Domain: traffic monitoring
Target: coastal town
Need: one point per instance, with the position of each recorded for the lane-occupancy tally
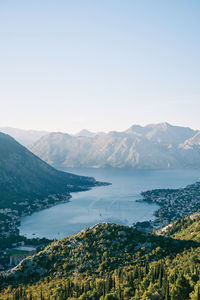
(11, 242)
(10, 217)
(173, 204)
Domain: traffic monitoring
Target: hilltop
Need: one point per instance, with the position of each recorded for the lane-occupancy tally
(109, 261)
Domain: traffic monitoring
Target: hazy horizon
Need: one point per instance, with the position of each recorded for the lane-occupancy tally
(100, 66)
(106, 131)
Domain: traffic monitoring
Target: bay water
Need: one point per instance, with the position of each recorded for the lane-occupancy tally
(113, 203)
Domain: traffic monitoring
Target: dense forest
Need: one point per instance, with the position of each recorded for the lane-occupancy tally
(109, 261)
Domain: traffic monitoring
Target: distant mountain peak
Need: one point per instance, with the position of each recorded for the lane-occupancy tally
(141, 129)
(87, 133)
(135, 128)
(59, 133)
(163, 125)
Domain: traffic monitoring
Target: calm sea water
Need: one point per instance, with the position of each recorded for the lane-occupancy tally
(114, 203)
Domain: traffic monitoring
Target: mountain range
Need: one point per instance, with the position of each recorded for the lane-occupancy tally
(28, 137)
(155, 146)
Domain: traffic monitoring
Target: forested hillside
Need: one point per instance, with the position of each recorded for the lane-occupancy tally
(109, 261)
(25, 177)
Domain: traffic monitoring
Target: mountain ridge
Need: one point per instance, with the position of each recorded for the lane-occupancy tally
(154, 146)
(25, 176)
(24, 137)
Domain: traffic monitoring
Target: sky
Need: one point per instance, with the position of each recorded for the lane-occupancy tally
(101, 65)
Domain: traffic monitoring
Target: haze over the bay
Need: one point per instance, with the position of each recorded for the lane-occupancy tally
(100, 65)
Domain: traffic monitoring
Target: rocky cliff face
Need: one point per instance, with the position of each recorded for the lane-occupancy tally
(157, 146)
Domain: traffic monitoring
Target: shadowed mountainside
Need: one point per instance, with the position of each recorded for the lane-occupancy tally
(25, 176)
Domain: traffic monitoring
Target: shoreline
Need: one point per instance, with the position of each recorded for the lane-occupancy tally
(173, 204)
(40, 204)
(10, 220)
(170, 207)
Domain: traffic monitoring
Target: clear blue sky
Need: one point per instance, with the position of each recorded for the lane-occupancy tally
(101, 65)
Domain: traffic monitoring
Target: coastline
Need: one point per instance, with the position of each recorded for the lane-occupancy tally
(24, 208)
(10, 220)
(60, 199)
(173, 204)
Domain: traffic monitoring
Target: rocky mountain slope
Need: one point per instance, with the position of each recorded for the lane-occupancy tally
(24, 176)
(99, 248)
(157, 146)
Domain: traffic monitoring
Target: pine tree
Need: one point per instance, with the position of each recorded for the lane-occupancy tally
(198, 293)
(167, 297)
